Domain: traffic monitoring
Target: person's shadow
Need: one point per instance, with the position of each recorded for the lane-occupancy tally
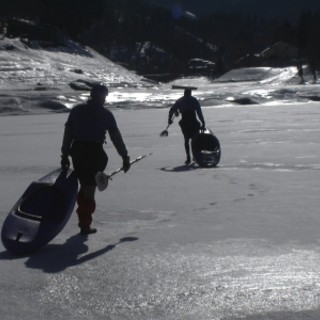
(182, 168)
(54, 258)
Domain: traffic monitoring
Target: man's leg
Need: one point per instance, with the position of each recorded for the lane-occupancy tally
(187, 148)
(86, 207)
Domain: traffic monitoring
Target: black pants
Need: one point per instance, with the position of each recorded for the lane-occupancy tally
(88, 158)
(189, 127)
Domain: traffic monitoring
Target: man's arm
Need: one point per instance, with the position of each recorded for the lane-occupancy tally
(200, 115)
(117, 141)
(173, 112)
(66, 141)
(65, 148)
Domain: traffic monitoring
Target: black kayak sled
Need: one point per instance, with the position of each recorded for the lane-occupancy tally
(41, 212)
(206, 148)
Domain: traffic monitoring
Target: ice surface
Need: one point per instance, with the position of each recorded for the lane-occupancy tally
(240, 241)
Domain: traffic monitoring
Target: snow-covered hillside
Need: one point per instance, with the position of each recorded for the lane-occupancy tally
(53, 78)
(38, 80)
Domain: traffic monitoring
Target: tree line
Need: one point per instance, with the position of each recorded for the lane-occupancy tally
(222, 38)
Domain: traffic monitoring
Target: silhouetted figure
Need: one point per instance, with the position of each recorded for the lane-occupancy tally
(300, 72)
(189, 108)
(84, 135)
(313, 70)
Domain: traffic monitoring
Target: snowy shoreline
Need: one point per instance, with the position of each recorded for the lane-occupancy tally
(36, 81)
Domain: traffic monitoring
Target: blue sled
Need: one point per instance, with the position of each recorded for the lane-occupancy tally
(41, 213)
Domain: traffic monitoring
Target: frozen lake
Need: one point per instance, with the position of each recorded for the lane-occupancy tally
(240, 241)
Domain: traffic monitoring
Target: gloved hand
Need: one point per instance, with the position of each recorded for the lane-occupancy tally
(203, 127)
(170, 122)
(126, 163)
(65, 163)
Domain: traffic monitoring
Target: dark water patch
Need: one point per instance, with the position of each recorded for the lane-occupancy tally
(52, 105)
(313, 98)
(244, 101)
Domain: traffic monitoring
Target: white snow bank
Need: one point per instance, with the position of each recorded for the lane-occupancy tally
(263, 74)
(35, 80)
(22, 65)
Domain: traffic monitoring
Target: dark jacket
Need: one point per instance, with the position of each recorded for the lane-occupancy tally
(189, 107)
(89, 122)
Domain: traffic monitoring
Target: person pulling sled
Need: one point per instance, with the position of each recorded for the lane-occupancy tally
(189, 108)
(84, 135)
